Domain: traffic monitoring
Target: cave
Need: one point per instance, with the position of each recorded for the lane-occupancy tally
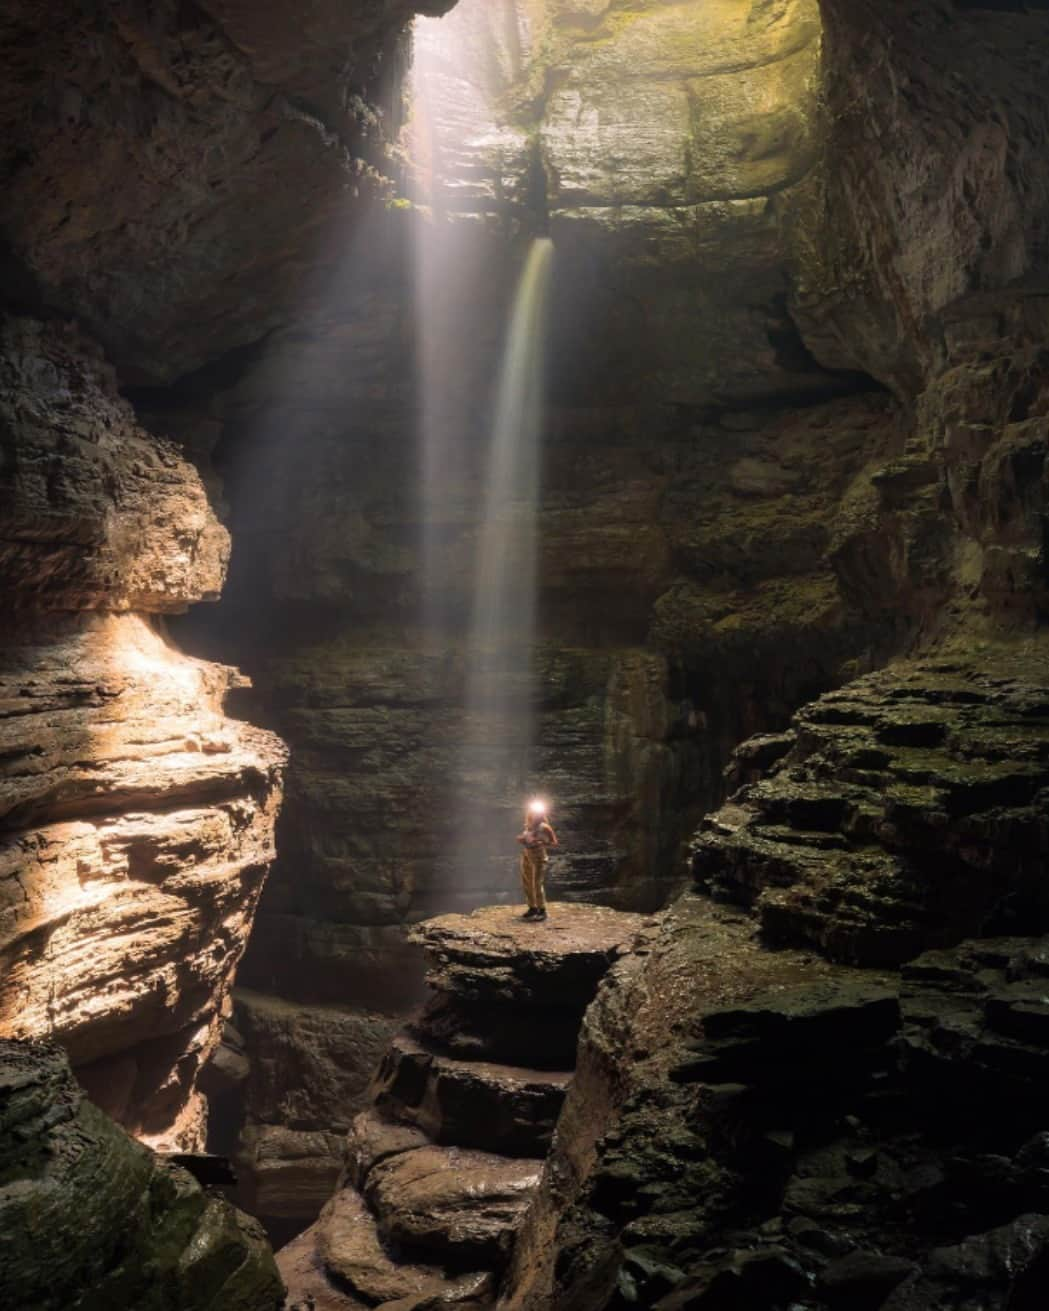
(632, 414)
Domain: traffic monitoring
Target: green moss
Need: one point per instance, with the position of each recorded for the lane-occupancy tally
(712, 621)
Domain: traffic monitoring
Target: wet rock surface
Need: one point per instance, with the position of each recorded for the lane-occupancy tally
(790, 1131)
(90, 1218)
(462, 1206)
(307, 1071)
(351, 1249)
(440, 1172)
(470, 1102)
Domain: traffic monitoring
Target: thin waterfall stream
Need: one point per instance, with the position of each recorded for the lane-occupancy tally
(498, 738)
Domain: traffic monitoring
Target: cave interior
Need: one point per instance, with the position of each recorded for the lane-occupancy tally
(412, 407)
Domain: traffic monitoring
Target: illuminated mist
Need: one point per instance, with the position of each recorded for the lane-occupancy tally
(480, 435)
(500, 700)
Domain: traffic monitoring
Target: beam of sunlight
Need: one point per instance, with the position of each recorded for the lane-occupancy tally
(479, 443)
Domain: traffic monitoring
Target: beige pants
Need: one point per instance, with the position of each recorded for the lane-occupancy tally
(533, 872)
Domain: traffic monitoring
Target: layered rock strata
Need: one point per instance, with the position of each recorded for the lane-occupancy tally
(690, 513)
(689, 599)
(440, 1170)
(827, 1094)
(91, 1219)
(906, 811)
(919, 256)
(793, 1132)
(136, 819)
(662, 145)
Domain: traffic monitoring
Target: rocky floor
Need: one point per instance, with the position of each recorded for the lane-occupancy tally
(441, 1169)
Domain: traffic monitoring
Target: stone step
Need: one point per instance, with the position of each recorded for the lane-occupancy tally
(309, 1286)
(373, 1138)
(451, 1205)
(482, 1104)
(539, 1037)
(901, 813)
(342, 1264)
(350, 1248)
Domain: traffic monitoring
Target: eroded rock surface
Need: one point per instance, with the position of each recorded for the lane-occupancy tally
(661, 141)
(908, 811)
(946, 197)
(89, 1218)
(138, 828)
(490, 955)
(690, 512)
(308, 1073)
(440, 1172)
(96, 513)
(791, 1131)
(248, 136)
(462, 1206)
(136, 818)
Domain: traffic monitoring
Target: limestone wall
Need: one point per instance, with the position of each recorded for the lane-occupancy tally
(137, 820)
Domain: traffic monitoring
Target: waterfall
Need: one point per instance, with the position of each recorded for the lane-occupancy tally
(504, 588)
(497, 742)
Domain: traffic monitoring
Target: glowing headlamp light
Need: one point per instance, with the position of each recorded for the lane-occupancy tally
(537, 807)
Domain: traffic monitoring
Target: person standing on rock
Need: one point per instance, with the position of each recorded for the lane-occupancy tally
(536, 839)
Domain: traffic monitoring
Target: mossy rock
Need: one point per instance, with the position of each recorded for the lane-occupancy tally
(91, 1220)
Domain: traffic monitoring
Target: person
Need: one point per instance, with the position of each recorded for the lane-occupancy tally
(536, 838)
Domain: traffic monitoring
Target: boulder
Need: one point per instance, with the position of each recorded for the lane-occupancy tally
(287, 1174)
(310, 1066)
(86, 1211)
(455, 1205)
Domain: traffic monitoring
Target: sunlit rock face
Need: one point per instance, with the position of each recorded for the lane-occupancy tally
(137, 819)
(672, 136)
(91, 1218)
(662, 145)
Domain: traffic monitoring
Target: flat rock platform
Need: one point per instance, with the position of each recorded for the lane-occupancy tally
(493, 955)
